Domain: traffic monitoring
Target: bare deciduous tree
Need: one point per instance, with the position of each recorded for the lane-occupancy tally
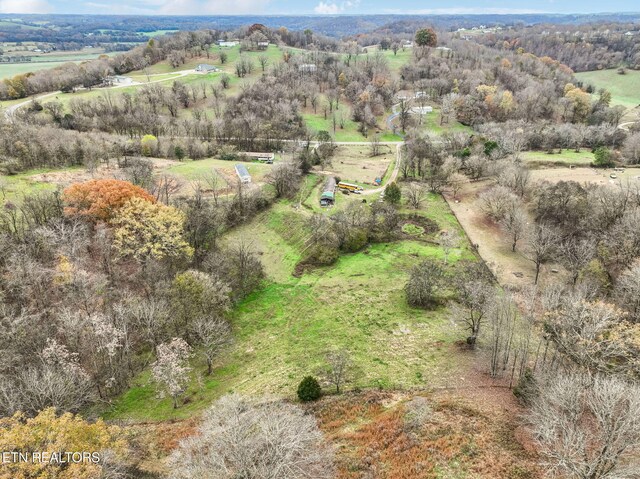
(284, 177)
(212, 335)
(240, 437)
(502, 315)
(575, 255)
(414, 193)
(171, 368)
(474, 294)
(588, 427)
(628, 290)
(339, 368)
(497, 201)
(541, 247)
(449, 239)
(515, 223)
(456, 183)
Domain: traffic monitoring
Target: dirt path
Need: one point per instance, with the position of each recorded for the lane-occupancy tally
(509, 268)
(394, 173)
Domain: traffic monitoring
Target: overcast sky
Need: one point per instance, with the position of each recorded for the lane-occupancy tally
(291, 7)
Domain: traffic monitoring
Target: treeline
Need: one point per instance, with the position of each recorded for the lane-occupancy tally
(87, 301)
(88, 74)
(582, 47)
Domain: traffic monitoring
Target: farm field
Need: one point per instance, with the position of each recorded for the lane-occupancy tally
(283, 331)
(354, 164)
(189, 172)
(625, 89)
(14, 187)
(43, 62)
(587, 175)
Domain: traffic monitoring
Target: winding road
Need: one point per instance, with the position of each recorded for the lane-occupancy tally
(9, 111)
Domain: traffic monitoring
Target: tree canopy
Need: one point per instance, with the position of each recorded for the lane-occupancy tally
(100, 200)
(426, 37)
(146, 230)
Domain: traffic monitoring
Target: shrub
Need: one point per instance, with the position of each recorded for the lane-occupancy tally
(355, 240)
(178, 151)
(603, 157)
(489, 146)
(323, 255)
(309, 389)
(526, 388)
(392, 194)
(148, 144)
(425, 281)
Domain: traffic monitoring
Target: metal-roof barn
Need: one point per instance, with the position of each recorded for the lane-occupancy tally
(242, 173)
(328, 196)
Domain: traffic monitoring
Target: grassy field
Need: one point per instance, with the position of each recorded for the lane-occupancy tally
(198, 170)
(44, 62)
(14, 187)
(566, 157)
(317, 122)
(625, 89)
(283, 331)
(431, 123)
(354, 164)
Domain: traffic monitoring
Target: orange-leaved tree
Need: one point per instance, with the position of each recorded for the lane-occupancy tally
(99, 200)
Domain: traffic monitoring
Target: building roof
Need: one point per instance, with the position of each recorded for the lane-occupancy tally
(241, 171)
(328, 195)
(205, 66)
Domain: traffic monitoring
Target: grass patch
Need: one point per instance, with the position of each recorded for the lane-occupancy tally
(625, 89)
(562, 158)
(15, 187)
(413, 230)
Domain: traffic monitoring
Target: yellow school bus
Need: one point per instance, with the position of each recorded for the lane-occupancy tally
(349, 186)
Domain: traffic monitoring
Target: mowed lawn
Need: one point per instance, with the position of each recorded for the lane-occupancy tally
(283, 331)
(625, 89)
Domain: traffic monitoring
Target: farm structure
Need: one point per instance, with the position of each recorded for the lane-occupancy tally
(328, 196)
(205, 68)
(243, 174)
(307, 68)
(262, 157)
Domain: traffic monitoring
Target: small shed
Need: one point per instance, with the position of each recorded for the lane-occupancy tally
(205, 68)
(307, 68)
(262, 157)
(242, 173)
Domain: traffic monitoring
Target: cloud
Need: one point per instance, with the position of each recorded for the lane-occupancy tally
(24, 6)
(326, 8)
(333, 8)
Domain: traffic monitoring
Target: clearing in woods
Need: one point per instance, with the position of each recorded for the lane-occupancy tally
(283, 331)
